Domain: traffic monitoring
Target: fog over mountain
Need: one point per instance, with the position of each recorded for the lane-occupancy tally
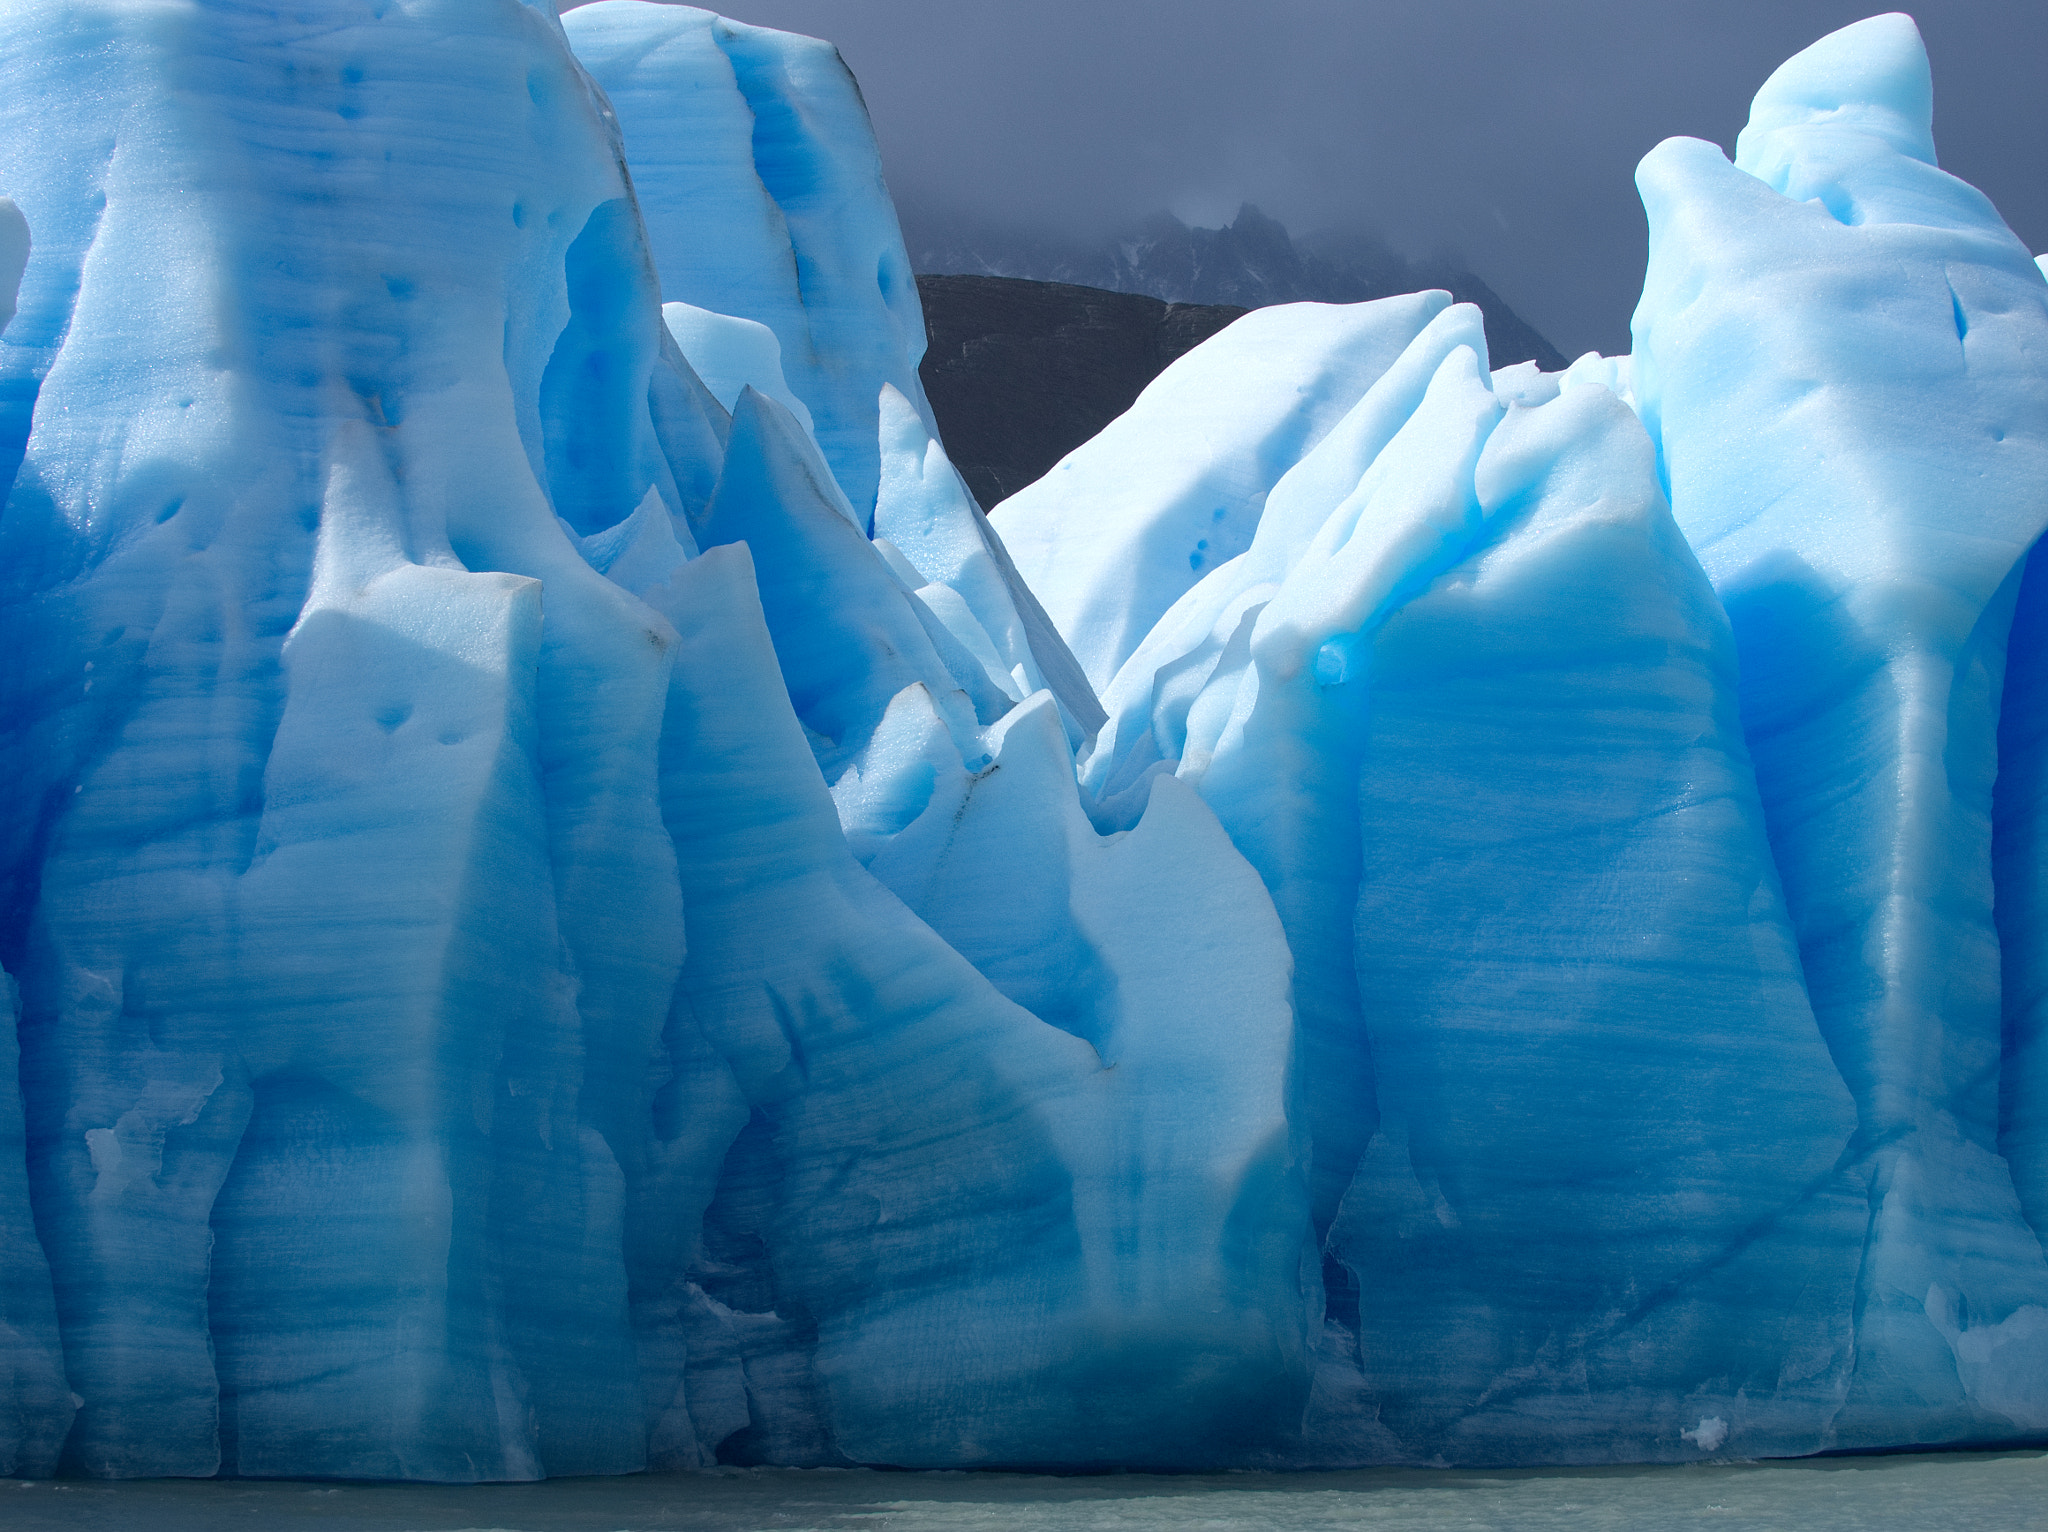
(1249, 262)
(1509, 133)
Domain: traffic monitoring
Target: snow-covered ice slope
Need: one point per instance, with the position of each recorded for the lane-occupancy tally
(1843, 354)
(1173, 488)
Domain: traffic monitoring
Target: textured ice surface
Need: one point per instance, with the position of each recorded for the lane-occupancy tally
(1605, 713)
(984, 1229)
(1491, 617)
(728, 354)
(2019, 852)
(1480, 738)
(1871, 587)
(34, 1404)
(758, 176)
(1174, 487)
(342, 913)
(959, 567)
(573, 912)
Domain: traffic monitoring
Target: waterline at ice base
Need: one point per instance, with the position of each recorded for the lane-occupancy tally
(572, 905)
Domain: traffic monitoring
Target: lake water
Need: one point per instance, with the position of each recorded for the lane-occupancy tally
(1940, 1492)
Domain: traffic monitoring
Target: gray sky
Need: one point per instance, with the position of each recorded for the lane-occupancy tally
(1506, 129)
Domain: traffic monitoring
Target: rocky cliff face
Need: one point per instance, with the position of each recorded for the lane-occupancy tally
(1020, 373)
(1251, 262)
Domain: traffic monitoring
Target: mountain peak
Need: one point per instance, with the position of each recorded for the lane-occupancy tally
(1251, 262)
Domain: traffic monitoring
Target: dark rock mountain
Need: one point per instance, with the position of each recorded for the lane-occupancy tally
(1019, 373)
(1249, 263)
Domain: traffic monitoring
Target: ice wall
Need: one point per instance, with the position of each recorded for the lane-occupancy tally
(337, 892)
(1584, 996)
(1468, 705)
(1808, 309)
(2019, 864)
(35, 1404)
(378, 720)
(573, 911)
(948, 1230)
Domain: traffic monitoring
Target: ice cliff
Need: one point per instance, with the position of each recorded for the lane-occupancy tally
(570, 904)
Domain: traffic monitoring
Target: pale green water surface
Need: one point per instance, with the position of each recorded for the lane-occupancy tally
(1944, 1492)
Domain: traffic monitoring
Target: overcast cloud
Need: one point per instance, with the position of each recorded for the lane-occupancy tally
(1507, 130)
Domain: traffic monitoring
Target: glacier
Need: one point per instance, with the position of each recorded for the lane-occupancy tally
(573, 905)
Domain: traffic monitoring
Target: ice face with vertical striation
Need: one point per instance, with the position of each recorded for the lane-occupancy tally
(1468, 705)
(35, 1406)
(573, 911)
(378, 717)
(1587, 1003)
(1173, 1257)
(758, 176)
(337, 890)
(1809, 310)
(1870, 593)
(2019, 867)
(962, 1231)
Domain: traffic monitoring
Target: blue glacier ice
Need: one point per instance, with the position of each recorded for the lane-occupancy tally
(1871, 587)
(1479, 735)
(943, 1225)
(1127, 522)
(762, 136)
(573, 905)
(36, 1410)
(344, 922)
